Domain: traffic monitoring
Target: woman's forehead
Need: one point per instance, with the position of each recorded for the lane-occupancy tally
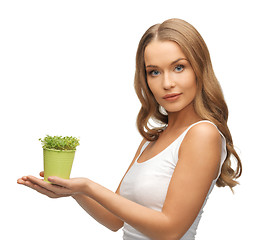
(162, 52)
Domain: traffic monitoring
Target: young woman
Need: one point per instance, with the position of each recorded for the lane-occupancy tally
(176, 166)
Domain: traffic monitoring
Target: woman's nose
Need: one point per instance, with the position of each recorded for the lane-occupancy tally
(167, 81)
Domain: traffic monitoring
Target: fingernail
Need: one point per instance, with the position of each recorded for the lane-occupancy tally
(50, 179)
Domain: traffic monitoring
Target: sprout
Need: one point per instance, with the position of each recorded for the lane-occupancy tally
(60, 143)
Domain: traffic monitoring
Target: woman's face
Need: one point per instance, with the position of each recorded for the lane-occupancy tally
(170, 76)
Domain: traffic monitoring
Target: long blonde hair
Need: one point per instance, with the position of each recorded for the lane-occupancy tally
(209, 102)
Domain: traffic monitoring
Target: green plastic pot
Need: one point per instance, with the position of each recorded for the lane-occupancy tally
(58, 163)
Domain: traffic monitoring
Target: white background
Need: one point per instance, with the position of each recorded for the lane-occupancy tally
(67, 68)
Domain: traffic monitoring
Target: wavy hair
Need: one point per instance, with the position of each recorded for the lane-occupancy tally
(209, 102)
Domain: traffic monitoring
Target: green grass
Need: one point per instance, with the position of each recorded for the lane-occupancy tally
(59, 142)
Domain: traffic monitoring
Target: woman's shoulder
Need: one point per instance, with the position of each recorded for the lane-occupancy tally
(204, 129)
(203, 134)
(201, 148)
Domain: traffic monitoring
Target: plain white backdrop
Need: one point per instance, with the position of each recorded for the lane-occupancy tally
(67, 68)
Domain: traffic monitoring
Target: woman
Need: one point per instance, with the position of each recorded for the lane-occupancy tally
(160, 197)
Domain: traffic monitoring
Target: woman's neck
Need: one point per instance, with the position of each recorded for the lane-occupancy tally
(183, 118)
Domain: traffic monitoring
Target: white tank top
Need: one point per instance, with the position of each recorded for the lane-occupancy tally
(147, 183)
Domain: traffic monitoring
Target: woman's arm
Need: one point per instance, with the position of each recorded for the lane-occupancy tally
(199, 158)
(97, 211)
(93, 208)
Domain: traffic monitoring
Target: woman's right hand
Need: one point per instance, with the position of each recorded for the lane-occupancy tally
(39, 185)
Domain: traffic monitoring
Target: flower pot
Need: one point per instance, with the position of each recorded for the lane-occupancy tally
(58, 163)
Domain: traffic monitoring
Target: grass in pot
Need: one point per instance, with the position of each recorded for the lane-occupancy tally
(58, 154)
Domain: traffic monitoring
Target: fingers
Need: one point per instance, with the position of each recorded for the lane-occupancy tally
(21, 180)
(26, 182)
(58, 186)
(45, 188)
(35, 180)
(24, 178)
(59, 181)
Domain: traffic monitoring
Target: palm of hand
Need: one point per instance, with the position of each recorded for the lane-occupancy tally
(59, 187)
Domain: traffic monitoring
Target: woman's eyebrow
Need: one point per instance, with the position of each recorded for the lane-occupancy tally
(178, 60)
(155, 66)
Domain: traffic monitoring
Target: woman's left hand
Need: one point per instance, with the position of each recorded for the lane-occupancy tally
(59, 187)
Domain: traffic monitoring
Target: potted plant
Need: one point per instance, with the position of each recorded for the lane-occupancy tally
(58, 155)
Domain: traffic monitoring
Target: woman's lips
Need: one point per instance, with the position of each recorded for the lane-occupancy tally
(172, 96)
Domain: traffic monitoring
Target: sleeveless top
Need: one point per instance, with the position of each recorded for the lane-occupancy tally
(147, 183)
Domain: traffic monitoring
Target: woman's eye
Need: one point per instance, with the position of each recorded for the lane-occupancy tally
(154, 73)
(179, 68)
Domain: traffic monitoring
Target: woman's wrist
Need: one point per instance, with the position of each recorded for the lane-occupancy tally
(77, 196)
(86, 188)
